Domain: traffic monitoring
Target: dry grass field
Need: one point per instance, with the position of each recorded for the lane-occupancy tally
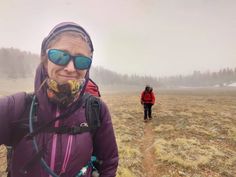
(192, 133)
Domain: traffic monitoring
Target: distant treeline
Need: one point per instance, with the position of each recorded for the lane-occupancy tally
(20, 64)
(108, 77)
(223, 77)
(16, 63)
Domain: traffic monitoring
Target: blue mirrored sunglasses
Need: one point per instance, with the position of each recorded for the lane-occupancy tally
(62, 58)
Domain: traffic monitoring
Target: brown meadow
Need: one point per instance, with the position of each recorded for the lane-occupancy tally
(192, 133)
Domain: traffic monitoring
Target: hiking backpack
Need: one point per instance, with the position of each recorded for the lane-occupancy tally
(92, 114)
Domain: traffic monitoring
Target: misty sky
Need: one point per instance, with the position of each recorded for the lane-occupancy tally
(145, 37)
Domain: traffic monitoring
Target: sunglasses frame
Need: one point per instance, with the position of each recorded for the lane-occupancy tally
(71, 57)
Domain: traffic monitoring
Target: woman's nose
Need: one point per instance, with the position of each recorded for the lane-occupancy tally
(70, 66)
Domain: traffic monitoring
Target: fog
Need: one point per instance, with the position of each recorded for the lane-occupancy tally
(152, 37)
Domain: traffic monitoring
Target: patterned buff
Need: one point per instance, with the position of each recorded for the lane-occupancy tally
(64, 94)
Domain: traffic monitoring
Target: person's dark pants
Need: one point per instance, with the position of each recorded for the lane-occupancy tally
(147, 110)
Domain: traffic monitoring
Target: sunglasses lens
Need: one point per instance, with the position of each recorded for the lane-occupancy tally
(82, 62)
(58, 57)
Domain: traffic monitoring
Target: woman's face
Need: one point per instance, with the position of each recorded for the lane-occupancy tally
(74, 46)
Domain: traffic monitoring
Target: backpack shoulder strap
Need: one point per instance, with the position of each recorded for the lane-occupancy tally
(93, 112)
(20, 125)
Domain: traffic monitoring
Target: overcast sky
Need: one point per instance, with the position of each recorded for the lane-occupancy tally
(145, 37)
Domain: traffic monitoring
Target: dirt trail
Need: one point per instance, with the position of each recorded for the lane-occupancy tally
(147, 149)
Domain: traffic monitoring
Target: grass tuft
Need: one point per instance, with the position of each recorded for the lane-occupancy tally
(185, 152)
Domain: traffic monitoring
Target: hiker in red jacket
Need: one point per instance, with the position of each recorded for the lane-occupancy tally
(147, 100)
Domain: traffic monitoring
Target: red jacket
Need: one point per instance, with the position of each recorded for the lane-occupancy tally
(147, 97)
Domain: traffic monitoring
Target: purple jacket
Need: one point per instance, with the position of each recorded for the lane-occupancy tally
(65, 154)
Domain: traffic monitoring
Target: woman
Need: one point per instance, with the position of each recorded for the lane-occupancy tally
(59, 102)
(147, 100)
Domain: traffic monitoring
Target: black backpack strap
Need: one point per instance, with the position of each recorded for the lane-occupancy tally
(70, 111)
(20, 125)
(93, 112)
(23, 120)
(69, 130)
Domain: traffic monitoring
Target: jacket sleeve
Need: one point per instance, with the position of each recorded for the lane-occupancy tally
(10, 108)
(153, 98)
(142, 98)
(105, 147)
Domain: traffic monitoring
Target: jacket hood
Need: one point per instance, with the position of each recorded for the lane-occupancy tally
(64, 27)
